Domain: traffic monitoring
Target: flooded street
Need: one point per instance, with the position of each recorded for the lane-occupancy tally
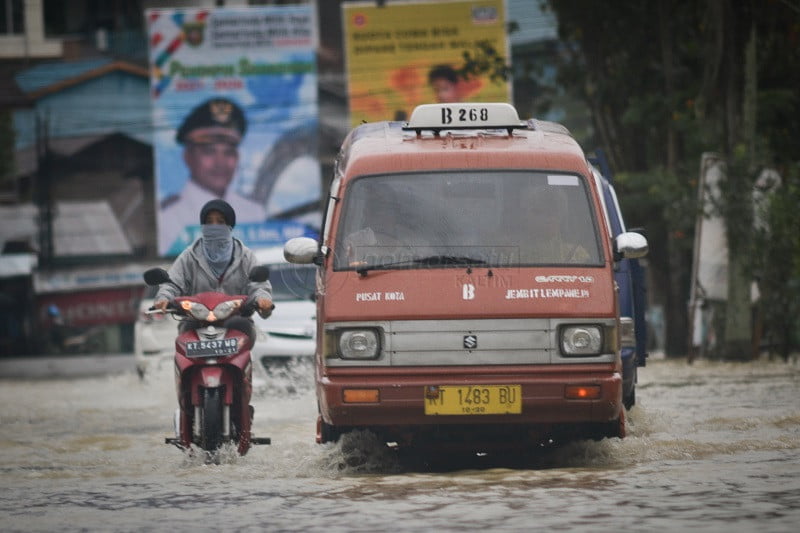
(711, 447)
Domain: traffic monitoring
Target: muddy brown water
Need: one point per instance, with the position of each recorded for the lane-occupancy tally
(712, 447)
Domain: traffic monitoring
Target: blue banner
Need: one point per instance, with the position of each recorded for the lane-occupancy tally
(235, 112)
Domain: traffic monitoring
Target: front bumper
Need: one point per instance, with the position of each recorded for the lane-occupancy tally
(402, 391)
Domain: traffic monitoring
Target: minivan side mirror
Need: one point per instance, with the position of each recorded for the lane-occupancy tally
(155, 276)
(630, 245)
(301, 250)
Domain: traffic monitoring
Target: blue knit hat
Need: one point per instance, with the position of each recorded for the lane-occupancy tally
(223, 207)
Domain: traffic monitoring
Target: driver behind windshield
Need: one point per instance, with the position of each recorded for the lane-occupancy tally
(543, 239)
(383, 237)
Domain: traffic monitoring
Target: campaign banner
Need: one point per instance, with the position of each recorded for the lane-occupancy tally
(400, 55)
(235, 116)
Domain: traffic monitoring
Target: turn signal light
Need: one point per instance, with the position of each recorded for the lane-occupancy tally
(361, 396)
(582, 392)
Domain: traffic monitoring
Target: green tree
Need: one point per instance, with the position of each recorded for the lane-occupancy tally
(666, 81)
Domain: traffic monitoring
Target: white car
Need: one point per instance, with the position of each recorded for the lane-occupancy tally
(153, 336)
(289, 335)
(285, 339)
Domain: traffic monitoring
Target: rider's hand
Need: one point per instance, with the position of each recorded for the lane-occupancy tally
(161, 304)
(265, 307)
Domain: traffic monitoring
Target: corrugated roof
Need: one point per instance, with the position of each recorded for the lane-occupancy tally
(52, 73)
(79, 228)
(18, 223)
(88, 228)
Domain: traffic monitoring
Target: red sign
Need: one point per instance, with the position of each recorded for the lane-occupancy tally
(89, 308)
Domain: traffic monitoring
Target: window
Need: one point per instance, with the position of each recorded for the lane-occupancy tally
(292, 282)
(450, 219)
(12, 17)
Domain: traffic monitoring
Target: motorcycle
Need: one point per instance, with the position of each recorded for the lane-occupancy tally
(213, 369)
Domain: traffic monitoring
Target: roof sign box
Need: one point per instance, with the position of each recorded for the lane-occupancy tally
(464, 116)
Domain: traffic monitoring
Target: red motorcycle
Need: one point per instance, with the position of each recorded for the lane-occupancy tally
(213, 370)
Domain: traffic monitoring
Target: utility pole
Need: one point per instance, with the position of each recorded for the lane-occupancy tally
(44, 197)
(738, 313)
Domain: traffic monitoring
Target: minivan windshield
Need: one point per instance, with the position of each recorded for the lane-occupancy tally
(446, 219)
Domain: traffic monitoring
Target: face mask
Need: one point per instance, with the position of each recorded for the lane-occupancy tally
(217, 246)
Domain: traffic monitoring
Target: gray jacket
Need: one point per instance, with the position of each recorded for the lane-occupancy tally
(191, 274)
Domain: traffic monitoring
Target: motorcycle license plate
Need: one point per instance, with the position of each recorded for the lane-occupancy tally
(216, 348)
(473, 400)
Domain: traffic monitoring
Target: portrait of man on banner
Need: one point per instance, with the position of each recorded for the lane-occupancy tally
(235, 117)
(210, 136)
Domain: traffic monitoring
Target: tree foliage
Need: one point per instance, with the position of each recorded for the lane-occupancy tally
(666, 81)
(484, 59)
(776, 263)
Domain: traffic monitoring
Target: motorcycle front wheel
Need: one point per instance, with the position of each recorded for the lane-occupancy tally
(211, 430)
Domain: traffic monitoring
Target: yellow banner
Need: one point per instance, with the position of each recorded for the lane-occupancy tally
(403, 55)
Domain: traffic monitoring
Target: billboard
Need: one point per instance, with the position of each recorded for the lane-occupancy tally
(235, 115)
(400, 55)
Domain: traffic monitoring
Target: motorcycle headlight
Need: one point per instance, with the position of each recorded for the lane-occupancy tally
(195, 310)
(224, 310)
(359, 344)
(581, 340)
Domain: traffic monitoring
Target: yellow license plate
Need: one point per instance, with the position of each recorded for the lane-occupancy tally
(473, 400)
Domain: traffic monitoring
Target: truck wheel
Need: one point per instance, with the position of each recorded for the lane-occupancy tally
(326, 432)
(630, 400)
(211, 424)
(621, 426)
(609, 430)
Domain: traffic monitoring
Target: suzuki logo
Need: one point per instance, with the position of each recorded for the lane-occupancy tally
(470, 342)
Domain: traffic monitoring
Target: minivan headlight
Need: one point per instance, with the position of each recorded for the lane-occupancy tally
(359, 344)
(581, 340)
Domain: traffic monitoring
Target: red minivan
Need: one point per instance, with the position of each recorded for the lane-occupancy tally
(465, 291)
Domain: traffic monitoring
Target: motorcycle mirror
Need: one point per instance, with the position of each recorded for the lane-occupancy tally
(259, 273)
(155, 276)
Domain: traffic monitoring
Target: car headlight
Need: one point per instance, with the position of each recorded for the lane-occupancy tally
(359, 344)
(581, 340)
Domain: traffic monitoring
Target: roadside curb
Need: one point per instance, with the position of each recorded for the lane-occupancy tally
(68, 366)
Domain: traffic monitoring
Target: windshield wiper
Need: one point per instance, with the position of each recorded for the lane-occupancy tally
(430, 260)
(449, 260)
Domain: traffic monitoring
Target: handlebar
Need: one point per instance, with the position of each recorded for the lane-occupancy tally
(153, 310)
(250, 306)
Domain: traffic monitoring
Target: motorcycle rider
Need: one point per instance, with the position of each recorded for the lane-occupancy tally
(218, 262)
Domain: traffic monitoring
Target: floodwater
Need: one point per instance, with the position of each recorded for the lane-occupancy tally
(711, 447)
